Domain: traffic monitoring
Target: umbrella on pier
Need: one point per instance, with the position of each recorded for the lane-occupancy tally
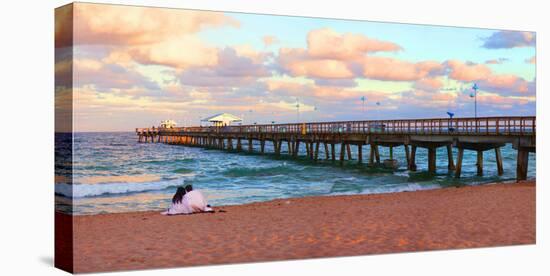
(222, 119)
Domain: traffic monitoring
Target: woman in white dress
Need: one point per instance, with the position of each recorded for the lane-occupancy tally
(180, 204)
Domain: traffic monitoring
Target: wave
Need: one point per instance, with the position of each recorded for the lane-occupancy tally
(169, 161)
(183, 171)
(410, 187)
(106, 179)
(263, 171)
(118, 144)
(92, 190)
(93, 168)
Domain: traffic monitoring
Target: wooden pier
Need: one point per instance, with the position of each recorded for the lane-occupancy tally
(476, 134)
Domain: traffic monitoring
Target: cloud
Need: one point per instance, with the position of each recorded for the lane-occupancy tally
(289, 106)
(106, 76)
(467, 72)
(329, 94)
(316, 68)
(64, 66)
(508, 85)
(179, 52)
(148, 36)
(231, 71)
(132, 25)
(330, 55)
(334, 94)
(63, 26)
(509, 39)
(188, 52)
(429, 84)
(129, 71)
(327, 44)
(427, 99)
(500, 101)
(336, 82)
(391, 69)
(287, 88)
(245, 50)
(496, 61)
(269, 40)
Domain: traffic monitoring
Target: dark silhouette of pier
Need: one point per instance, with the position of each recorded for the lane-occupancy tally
(474, 134)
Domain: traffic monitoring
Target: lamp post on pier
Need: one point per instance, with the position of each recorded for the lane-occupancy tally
(297, 110)
(363, 99)
(474, 95)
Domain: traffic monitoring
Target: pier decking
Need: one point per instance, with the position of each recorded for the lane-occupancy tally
(476, 134)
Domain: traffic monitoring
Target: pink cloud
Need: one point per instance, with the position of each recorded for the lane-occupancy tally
(500, 100)
(287, 88)
(335, 63)
(328, 44)
(232, 70)
(423, 98)
(391, 69)
(333, 55)
(505, 84)
(246, 50)
(320, 68)
(269, 40)
(149, 35)
(502, 80)
(131, 25)
(321, 93)
(63, 26)
(170, 53)
(508, 85)
(298, 63)
(106, 76)
(429, 84)
(467, 72)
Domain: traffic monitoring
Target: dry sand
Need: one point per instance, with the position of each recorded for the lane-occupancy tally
(488, 215)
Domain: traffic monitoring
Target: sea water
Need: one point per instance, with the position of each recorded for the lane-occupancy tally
(113, 173)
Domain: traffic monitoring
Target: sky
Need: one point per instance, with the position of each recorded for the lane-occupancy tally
(135, 66)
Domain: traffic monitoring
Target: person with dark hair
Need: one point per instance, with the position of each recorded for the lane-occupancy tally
(180, 204)
(196, 200)
(178, 196)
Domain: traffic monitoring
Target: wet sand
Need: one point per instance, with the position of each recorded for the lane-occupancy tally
(488, 215)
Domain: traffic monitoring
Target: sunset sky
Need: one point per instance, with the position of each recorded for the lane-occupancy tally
(135, 66)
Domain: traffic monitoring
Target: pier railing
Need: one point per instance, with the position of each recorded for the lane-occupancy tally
(499, 126)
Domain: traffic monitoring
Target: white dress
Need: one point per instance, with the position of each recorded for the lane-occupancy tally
(197, 202)
(179, 208)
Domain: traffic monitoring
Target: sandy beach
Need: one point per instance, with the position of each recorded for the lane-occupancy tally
(309, 227)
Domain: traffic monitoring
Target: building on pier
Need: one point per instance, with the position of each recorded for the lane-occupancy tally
(168, 124)
(222, 119)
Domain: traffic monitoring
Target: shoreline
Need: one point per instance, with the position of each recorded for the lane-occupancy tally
(533, 179)
(308, 227)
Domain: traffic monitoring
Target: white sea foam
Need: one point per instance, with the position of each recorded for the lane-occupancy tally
(409, 187)
(89, 190)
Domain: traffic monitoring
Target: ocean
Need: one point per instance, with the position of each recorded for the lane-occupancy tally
(114, 173)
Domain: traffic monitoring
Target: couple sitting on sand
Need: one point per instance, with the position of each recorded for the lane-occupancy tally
(187, 201)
